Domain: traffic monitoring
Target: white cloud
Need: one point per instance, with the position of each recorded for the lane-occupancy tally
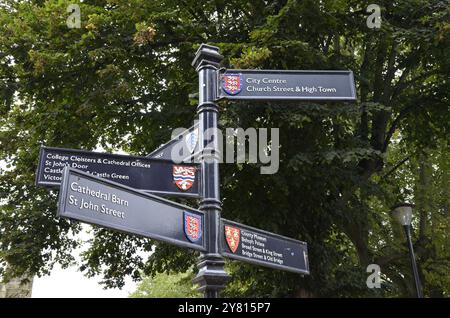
(71, 283)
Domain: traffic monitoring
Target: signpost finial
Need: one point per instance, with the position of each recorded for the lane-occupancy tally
(207, 55)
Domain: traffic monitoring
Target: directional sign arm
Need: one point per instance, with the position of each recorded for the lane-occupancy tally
(94, 200)
(178, 142)
(287, 85)
(147, 174)
(259, 247)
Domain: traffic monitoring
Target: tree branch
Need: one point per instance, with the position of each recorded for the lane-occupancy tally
(394, 125)
(401, 85)
(390, 72)
(397, 165)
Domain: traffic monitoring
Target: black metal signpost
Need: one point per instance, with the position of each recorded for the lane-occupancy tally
(91, 199)
(110, 190)
(251, 85)
(152, 175)
(211, 276)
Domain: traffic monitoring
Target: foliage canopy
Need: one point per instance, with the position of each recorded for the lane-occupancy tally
(124, 80)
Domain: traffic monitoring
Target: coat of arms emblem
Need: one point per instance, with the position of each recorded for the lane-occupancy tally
(193, 226)
(192, 140)
(232, 83)
(233, 236)
(184, 177)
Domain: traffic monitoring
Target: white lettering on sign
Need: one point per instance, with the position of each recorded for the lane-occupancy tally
(283, 89)
(253, 245)
(50, 170)
(258, 89)
(274, 81)
(54, 163)
(265, 80)
(82, 159)
(110, 197)
(87, 204)
(57, 157)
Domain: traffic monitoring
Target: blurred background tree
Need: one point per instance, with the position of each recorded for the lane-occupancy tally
(162, 285)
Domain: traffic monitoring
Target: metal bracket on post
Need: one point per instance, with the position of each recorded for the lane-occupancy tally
(211, 277)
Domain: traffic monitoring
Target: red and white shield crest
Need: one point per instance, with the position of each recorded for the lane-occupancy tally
(184, 177)
(232, 83)
(193, 227)
(233, 236)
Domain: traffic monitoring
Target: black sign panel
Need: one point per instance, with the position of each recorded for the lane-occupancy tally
(287, 85)
(259, 247)
(94, 200)
(183, 146)
(152, 175)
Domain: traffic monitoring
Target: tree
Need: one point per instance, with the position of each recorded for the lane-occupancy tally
(123, 81)
(166, 286)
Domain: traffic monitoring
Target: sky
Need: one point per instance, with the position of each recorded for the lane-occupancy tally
(71, 283)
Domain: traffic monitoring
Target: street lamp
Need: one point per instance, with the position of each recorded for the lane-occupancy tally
(403, 214)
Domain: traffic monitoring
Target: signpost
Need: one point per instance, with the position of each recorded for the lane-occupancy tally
(249, 85)
(255, 246)
(94, 200)
(211, 276)
(152, 175)
(287, 85)
(109, 190)
(184, 144)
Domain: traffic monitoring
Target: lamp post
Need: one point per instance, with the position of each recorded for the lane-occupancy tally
(403, 214)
